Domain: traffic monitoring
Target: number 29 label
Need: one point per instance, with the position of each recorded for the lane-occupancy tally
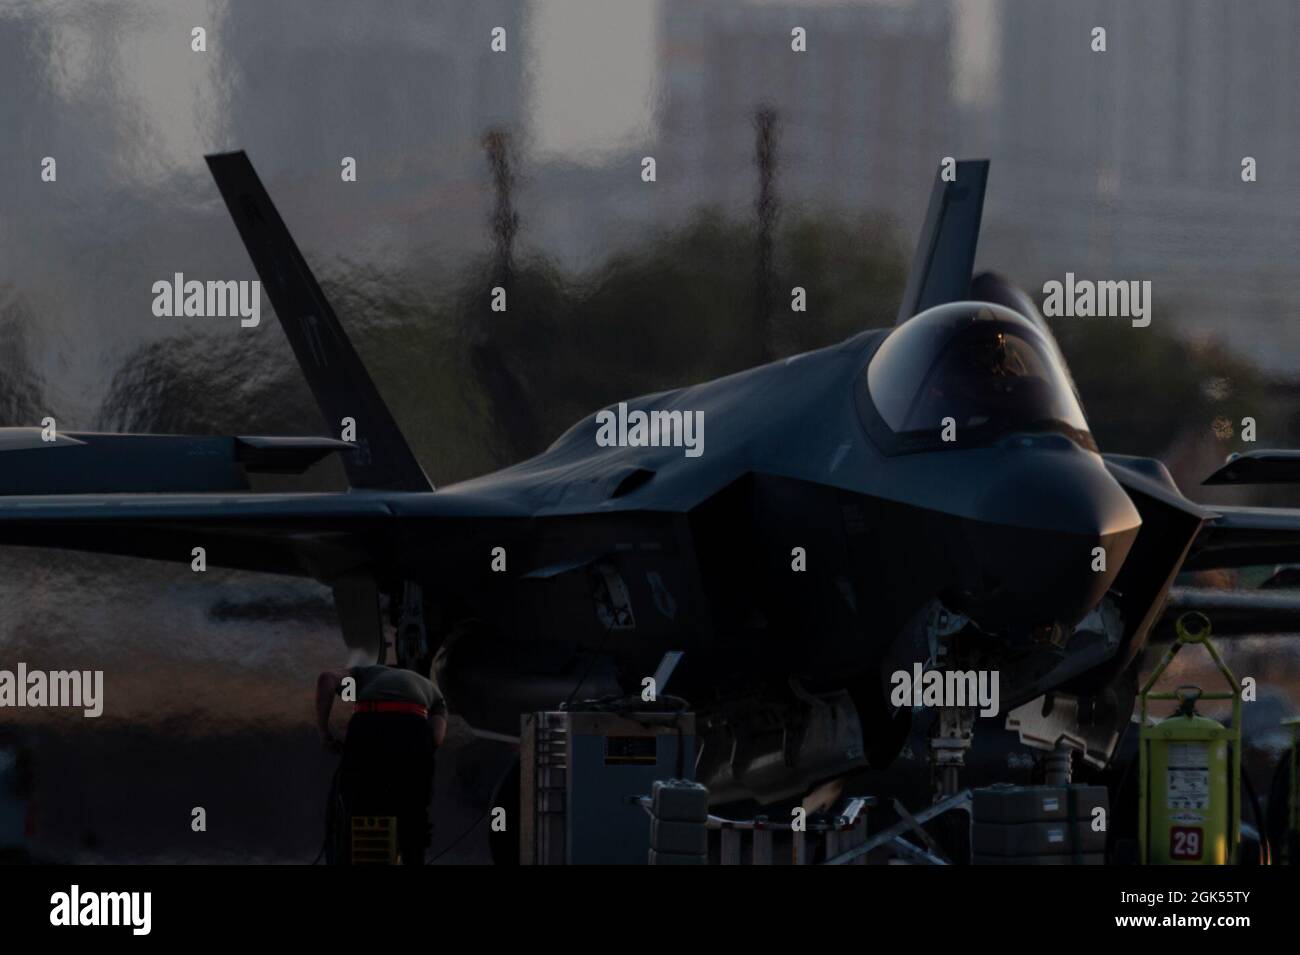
(1185, 842)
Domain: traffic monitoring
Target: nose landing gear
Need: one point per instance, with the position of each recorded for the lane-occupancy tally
(949, 740)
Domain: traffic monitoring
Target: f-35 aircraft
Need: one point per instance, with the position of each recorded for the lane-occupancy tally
(923, 494)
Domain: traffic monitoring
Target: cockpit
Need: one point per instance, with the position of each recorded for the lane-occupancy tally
(986, 367)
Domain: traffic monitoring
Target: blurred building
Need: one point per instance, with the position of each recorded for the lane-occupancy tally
(1127, 163)
(417, 85)
(863, 118)
(865, 109)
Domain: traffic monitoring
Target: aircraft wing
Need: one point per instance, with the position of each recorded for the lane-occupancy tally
(1246, 536)
(163, 496)
(314, 535)
(353, 541)
(1240, 537)
(1220, 537)
(319, 535)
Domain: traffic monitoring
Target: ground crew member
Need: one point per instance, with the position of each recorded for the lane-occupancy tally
(398, 722)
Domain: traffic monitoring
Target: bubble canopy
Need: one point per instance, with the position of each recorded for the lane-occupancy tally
(985, 366)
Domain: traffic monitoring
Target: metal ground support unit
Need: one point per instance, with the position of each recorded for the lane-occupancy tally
(576, 767)
(894, 835)
(543, 788)
(836, 831)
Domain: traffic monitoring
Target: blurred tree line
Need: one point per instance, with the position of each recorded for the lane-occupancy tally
(21, 387)
(674, 311)
(475, 389)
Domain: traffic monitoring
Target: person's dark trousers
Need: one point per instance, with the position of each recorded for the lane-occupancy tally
(388, 771)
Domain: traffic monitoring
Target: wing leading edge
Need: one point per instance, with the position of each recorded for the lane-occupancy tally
(1246, 536)
(308, 535)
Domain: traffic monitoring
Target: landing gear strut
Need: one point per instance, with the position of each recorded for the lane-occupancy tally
(412, 645)
(951, 737)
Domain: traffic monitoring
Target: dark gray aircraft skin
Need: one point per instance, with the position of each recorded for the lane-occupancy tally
(928, 493)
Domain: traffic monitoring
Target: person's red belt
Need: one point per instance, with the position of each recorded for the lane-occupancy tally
(391, 706)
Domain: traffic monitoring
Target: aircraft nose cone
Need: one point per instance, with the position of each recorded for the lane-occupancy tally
(1053, 529)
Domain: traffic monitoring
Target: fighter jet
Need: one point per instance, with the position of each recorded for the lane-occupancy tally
(923, 494)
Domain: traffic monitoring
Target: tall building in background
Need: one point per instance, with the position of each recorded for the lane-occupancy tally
(863, 118)
(409, 94)
(1127, 163)
(864, 111)
(416, 86)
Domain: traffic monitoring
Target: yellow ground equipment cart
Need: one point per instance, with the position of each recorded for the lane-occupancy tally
(1189, 770)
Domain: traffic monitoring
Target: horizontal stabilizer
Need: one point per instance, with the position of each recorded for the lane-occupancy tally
(1259, 467)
